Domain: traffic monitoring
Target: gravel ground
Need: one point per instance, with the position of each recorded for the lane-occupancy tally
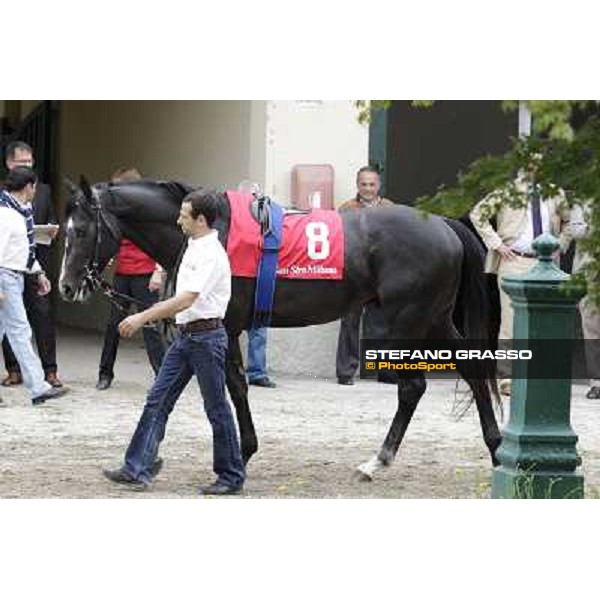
(312, 434)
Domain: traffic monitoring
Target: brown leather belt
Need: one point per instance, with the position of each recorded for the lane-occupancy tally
(525, 254)
(200, 325)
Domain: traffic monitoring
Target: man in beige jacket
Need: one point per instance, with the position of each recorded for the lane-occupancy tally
(509, 243)
(590, 313)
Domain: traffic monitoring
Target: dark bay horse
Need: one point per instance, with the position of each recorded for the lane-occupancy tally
(420, 270)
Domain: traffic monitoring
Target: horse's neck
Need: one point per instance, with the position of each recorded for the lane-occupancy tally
(160, 241)
(151, 224)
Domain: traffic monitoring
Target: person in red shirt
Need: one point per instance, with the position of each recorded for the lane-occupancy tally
(138, 276)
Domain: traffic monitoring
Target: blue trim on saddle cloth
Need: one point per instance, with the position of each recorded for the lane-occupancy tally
(267, 269)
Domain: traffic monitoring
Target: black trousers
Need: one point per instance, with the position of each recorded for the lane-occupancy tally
(41, 318)
(348, 349)
(135, 286)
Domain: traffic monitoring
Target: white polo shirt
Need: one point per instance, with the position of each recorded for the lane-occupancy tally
(14, 243)
(204, 270)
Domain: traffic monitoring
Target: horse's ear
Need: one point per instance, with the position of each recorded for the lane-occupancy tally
(71, 187)
(86, 188)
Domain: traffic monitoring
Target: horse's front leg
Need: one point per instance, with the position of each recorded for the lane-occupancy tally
(238, 391)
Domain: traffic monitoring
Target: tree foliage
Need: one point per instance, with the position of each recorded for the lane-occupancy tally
(571, 161)
(366, 108)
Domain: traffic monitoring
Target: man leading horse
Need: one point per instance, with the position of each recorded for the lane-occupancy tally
(201, 296)
(422, 271)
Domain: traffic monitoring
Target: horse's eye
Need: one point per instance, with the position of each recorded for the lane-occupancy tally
(80, 233)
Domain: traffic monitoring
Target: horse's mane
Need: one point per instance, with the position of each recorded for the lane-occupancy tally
(175, 190)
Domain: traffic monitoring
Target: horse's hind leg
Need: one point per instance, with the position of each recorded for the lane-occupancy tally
(409, 394)
(479, 377)
(238, 391)
(483, 401)
(487, 418)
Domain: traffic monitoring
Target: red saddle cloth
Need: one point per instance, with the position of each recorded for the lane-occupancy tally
(312, 243)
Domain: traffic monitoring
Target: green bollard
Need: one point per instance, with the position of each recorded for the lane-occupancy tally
(538, 456)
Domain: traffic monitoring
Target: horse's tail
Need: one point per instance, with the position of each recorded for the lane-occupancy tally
(477, 308)
(490, 282)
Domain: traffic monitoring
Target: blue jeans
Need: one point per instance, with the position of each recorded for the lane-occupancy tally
(14, 323)
(257, 354)
(201, 354)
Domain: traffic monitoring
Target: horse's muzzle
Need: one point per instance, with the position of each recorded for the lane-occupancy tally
(67, 292)
(70, 293)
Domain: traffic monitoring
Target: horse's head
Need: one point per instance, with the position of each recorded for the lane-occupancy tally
(93, 238)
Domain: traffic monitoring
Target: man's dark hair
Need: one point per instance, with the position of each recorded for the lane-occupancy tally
(125, 175)
(18, 178)
(205, 203)
(367, 169)
(13, 147)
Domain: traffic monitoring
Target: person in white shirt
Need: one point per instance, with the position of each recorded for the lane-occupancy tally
(202, 293)
(17, 257)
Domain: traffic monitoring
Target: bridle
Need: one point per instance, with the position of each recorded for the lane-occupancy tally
(92, 275)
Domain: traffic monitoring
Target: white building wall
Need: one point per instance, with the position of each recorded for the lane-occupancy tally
(314, 132)
(311, 132)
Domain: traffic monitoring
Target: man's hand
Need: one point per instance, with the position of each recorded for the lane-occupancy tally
(157, 280)
(53, 230)
(2, 298)
(505, 252)
(131, 324)
(44, 285)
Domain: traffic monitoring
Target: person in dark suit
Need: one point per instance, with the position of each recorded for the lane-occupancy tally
(39, 309)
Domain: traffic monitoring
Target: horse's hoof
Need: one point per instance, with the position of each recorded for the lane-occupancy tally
(361, 476)
(369, 468)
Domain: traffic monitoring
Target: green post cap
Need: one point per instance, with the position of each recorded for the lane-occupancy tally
(545, 246)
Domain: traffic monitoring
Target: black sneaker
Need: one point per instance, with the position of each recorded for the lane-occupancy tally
(593, 393)
(346, 380)
(122, 477)
(51, 394)
(104, 382)
(220, 489)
